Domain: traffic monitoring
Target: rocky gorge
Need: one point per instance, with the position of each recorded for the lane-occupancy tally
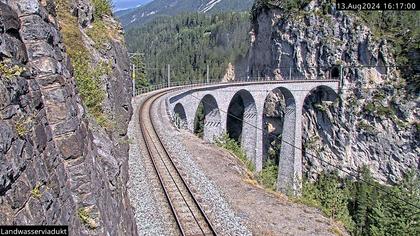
(62, 160)
(375, 121)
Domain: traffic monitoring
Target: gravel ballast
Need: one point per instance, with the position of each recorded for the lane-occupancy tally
(216, 207)
(151, 210)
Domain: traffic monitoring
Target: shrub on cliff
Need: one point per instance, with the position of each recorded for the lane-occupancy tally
(10, 71)
(102, 7)
(87, 79)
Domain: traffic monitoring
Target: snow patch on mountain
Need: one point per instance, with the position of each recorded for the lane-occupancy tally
(151, 13)
(209, 6)
(157, 8)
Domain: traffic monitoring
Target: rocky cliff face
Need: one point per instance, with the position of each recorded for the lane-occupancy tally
(375, 122)
(57, 165)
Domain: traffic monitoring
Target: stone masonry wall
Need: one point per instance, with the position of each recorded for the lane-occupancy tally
(56, 166)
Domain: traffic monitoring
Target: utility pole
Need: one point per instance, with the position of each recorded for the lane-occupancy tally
(169, 75)
(134, 74)
(208, 74)
(134, 80)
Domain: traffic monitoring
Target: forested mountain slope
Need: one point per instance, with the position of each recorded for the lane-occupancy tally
(190, 42)
(144, 14)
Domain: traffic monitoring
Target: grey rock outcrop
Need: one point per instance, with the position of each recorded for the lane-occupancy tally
(274, 108)
(374, 122)
(56, 165)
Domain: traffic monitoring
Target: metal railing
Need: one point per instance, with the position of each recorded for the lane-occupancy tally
(291, 74)
(191, 83)
(155, 87)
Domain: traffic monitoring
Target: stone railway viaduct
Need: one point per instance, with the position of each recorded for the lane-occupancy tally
(218, 103)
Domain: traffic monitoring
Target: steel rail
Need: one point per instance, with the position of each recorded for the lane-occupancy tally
(147, 137)
(184, 182)
(149, 151)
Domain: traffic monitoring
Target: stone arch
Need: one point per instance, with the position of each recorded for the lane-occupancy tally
(241, 123)
(278, 103)
(324, 93)
(285, 158)
(212, 125)
(180, 116)
(317, 126)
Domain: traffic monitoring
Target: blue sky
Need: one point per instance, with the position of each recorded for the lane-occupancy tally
(122, 4)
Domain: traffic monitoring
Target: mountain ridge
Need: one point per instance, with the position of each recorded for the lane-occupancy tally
(146, 13)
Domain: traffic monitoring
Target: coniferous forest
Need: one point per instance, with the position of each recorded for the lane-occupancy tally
(366, 207)
(188, 43)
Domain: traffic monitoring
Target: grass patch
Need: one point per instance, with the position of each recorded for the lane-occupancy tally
(21, 128)
(268, 176)
(416, 125)
(231, 145)
(36, 191)
(85, 218)
(101, 34)
(312, 144)
(363, 125)
(376, 109)
(89, 85)
(320, 107)
(336, 231)
(323, 106)
(98, 33)
(9, 72)
(352, 102)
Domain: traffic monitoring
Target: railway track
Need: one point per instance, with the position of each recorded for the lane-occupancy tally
(189, 216)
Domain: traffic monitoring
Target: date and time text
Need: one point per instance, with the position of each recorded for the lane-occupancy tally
(377, 5)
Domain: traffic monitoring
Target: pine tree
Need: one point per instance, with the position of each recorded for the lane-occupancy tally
(395, 212)
(378, 220)
(139, 74)
(362, 201)
(334, 198)
(199, 121)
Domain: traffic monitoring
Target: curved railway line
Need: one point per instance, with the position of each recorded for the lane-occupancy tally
(187, 212)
